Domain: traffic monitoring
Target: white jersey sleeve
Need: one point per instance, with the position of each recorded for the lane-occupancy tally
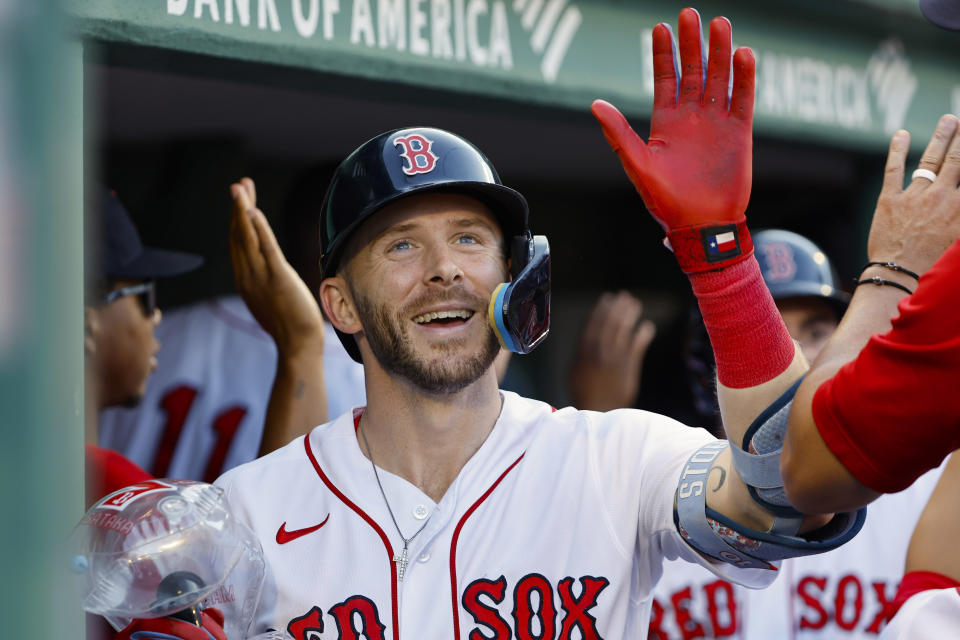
(660, 447)
(928, 615)
(204, 407)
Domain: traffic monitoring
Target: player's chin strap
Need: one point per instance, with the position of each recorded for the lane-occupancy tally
(715, 535)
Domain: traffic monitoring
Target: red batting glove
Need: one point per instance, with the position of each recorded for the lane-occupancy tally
(694, 174)
(166, 628)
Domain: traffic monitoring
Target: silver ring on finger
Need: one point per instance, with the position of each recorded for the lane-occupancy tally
(923, 173)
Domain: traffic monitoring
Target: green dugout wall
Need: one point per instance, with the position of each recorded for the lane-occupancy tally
(847, 74)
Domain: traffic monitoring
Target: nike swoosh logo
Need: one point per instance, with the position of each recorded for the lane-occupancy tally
(284, 536)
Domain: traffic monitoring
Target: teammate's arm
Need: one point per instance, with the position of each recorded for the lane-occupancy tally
(694, 175)
(281, 302)
(605, 372)
(934, 541)
(871, 421)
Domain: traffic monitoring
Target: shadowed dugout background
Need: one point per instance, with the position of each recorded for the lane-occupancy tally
(175, 129)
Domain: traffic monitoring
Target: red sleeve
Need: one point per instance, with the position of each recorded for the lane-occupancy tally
(893, 413)
(108, 471)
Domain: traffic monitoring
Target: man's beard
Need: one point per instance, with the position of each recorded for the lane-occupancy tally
(393, 348)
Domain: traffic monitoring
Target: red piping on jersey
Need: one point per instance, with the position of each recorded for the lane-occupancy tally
(386, 542)
(456, 537)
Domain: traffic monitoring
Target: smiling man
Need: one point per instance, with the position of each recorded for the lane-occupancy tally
(445, 229)
(446, 508)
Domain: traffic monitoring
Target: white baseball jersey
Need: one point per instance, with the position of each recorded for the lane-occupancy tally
(555, 528)
(928, 615)
(204, 406)
(845, 593)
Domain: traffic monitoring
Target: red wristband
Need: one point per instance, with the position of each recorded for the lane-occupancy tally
(751, 344)
(711, 246)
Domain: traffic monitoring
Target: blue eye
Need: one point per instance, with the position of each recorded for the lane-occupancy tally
(400, 246)
(467, 240)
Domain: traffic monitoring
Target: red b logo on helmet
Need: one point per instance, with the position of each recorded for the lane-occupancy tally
(780, 264)
(416, 152)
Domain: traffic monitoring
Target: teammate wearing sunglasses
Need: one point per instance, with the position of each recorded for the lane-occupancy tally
(120, 314)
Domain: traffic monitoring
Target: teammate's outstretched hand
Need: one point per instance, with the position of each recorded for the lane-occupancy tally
(276, 295)
(914, 226)
(605, 373)
(694, 173)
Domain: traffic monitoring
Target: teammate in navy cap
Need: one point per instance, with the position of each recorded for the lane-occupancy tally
(119, 316)
(804, 285)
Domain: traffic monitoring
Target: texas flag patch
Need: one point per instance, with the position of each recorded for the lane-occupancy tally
(720, 243)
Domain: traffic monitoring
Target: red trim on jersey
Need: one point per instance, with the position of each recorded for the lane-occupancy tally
(386, 542)
(453, 546)
(915, 582)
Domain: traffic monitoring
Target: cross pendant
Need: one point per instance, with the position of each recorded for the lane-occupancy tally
(401, 561)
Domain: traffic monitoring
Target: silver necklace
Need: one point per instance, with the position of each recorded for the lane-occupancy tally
(401, 560)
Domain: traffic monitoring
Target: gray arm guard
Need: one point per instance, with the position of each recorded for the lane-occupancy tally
(719, 537)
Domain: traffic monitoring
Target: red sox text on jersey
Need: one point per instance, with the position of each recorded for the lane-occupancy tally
(538, 611)
(555, 528)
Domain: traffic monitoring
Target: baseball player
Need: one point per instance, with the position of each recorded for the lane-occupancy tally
(204, 408)
(845, 593)
(446, 508)
(928, 600)
(852, 593)
(851, 412)
(120, 316)
(849, 415)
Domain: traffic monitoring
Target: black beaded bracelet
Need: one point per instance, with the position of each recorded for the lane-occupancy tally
(877, 280)
(892, 266)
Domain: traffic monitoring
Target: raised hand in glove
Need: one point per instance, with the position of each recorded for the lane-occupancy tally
(694, 173)
(173, 629)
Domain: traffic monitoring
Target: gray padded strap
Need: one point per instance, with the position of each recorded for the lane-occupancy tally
(718, 537)
(785, 526)
(762, 469)
(692, 505)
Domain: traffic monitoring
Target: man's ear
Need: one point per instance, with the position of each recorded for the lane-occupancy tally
(338, 305)
(91, 330)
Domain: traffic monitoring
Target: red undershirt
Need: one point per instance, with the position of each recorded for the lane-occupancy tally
(894, 412)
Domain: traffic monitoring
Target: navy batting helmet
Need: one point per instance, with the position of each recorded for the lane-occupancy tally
(403, 162)
(794, 267)
(419, 160)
